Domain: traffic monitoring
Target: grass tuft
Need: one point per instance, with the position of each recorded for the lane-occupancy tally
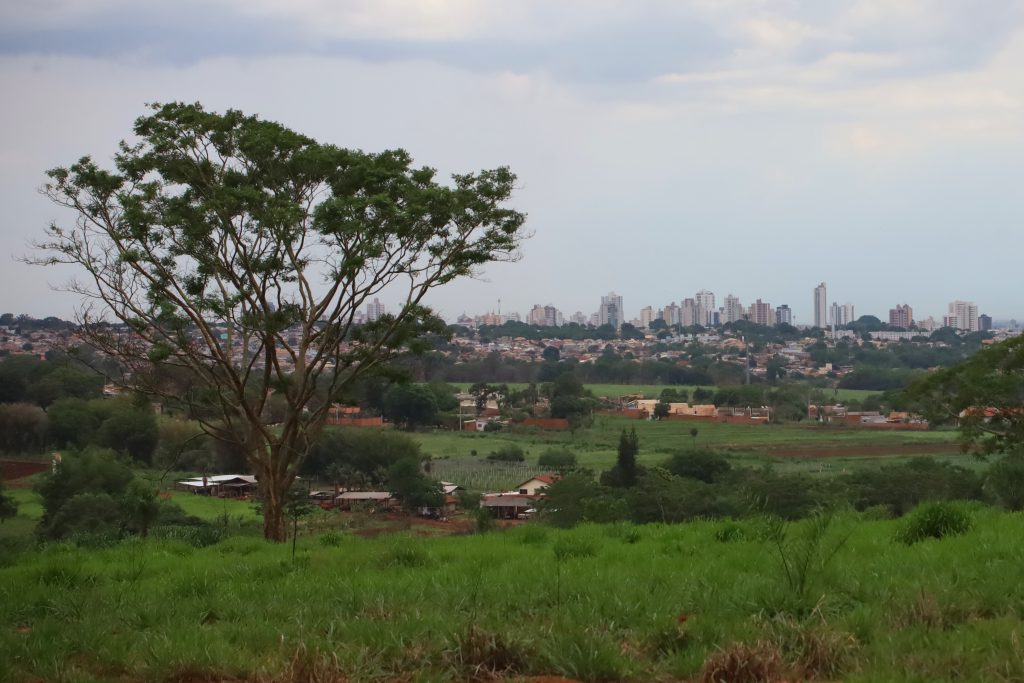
(934, 520)
(759, 662)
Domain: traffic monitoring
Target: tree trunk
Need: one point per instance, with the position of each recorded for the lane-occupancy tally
(274, 495)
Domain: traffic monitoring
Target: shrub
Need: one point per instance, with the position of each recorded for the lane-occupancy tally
(508, 453)
(705, 465)
(484, 520)
(934, 520)
(557, 458)
(1006, 480)
(877, 512)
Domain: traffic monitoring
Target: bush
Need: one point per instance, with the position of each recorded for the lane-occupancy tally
(557, 458)
(22, 427)
(704, 465)
(509, 453)
(934, 520)
(1006, 480)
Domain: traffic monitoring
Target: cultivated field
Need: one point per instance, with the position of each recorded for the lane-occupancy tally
(595, 604)
(799, 447)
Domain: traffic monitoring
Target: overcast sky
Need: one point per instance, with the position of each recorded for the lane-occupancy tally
(742, 146)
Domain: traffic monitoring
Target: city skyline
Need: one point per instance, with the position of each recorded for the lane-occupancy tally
(964, 315)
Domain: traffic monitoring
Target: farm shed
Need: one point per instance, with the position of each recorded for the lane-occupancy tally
(222, 485)
(508, 505)
(382, 500)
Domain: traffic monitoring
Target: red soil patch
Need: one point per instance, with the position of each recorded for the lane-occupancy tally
(19, 469)
(397, 522)
(861, 451)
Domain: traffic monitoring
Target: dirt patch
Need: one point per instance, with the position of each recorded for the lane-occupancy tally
(393, 522)
(862, 451)
(12, 470)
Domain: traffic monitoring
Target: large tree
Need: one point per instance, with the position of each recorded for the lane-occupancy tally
(237, 253)
(983, 395)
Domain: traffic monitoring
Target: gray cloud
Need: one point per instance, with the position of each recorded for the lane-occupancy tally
(634, 43)
(662, 147)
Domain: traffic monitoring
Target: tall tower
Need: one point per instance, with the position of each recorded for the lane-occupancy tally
(374, 310)
(963, 315)
(901, 316)
(610, 312)
(733, 309)
(705, 307)
(820, 307)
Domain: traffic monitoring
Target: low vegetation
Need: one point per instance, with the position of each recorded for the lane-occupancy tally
(596, 603)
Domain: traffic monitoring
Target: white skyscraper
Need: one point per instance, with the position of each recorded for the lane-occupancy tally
(374, 310)
(733, 309)
(610, 312)
(841, 315)
(705, 307)
(820, 306)
(963, 315)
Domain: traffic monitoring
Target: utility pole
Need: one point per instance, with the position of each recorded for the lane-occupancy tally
(746, 349)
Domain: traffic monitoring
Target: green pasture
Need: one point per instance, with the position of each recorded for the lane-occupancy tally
(598, 603)
(213, 508)
(30, 511)
(596, 446)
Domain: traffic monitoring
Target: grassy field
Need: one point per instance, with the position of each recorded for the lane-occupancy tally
(594, 604)
(751, 444)
(29, 513)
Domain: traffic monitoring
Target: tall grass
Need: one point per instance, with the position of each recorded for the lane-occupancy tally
(593, 603)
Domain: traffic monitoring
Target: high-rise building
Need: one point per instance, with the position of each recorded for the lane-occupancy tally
(841, 315)
(963, 315)
(646, 316)
(578, 318)
(984, 322)
(671, 314)
(374, 310)
(783, 315)
(553, 317)
(535, 316)
(705, 307)
(688, 313)
(820, 306)
(610, 312)
(901, 316)
(761, 313)
(733, 309)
